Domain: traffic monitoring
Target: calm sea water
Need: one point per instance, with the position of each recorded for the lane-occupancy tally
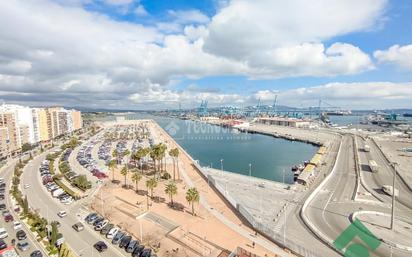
(210, 144)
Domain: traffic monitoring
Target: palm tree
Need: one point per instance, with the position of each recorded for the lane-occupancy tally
(124, 171)
(162, 155)
(136, 177)
(112, 166)
(151, 184)
(171, 190)
(133, 157)
(192, 196)
(126, 153)
(174, 153)
(139, 154)
(115, 154)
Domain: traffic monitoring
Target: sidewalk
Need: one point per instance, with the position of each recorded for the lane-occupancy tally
(213, 202)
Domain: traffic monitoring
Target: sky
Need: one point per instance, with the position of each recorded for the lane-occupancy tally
(160, 54)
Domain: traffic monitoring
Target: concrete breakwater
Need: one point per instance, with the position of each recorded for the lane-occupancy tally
(288, 133)
(277, 135)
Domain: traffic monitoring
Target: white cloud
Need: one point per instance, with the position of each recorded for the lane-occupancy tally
(140, 10)
(367, 95)
(188, 16)
(78, 57)
(194, 33)
(400, 56)
(118, 2)
(245, 27)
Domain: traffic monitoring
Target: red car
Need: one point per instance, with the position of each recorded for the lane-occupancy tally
(8, 218)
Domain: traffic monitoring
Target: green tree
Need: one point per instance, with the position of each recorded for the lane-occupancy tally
(124, 171)
(136, 177)
(73, 142)
(54, 234)
(25, 206)
(112, 166)
(171, 190)
(26, 147)
(82, 182)
(151, 184)
(192, 196)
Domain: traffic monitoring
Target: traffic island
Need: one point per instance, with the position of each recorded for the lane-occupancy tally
(379, 224)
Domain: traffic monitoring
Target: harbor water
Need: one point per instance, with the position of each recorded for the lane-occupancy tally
(248, 154)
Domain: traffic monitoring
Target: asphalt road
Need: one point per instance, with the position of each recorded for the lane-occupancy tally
(7, 174)
(39, 198)
(383, 177)
(331, 207)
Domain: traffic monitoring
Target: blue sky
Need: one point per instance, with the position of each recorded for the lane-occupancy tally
(156, 54)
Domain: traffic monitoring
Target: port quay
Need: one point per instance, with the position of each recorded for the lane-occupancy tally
(328, 190)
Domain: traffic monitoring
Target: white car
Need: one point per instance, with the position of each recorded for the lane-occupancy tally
(62, 214)
(26, 186)
(3, 233)
(66, 200)
(112, 232)
(17, 225)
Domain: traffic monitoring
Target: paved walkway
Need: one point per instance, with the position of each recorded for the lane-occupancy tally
(216, 213)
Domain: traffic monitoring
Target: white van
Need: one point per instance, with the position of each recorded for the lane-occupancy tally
(101, 225)
(112, 232)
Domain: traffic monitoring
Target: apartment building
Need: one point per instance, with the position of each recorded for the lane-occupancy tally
(21, 124)
(4, 141)
(76, 119)
(63, 124)
(45, 124)
(10, 133)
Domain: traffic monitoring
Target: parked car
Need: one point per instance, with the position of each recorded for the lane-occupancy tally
(16, 225)
(8, 217)
(101, 225)
(21, 235)
(23, 246)
(106, 229)
(62, 214)
(3, 244)
(3, 233)
(36, 253)
(91, 217)
(2, 206)
(138, 251)
(146, 253)
(100, 246)
(131, 246)
(125, 241)
(118, 237)
(97, 220)
(78, 226)
(112, 232)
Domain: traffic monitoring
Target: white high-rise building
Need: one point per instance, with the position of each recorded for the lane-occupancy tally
(24, 117)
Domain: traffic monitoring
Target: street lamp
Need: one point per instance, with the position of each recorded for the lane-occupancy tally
(284, 215)
(250, 169)
(221, 164)
(394, 165)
